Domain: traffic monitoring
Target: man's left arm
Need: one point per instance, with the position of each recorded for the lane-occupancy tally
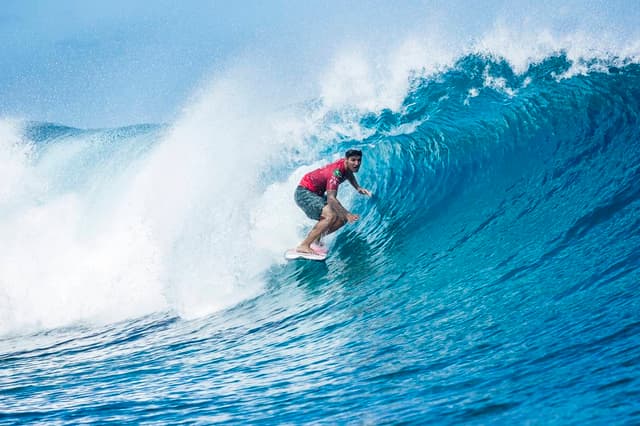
(352, 180)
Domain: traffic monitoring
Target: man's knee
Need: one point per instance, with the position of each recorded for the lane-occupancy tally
(339, 222)
(328, 214)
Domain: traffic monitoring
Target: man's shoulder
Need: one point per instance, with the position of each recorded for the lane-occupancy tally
(339, 165)
(340, 171)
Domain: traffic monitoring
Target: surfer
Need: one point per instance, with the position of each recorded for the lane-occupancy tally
(317, 194)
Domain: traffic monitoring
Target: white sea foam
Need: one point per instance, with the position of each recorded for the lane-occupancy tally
(362, 78)
(15, 154)
(60, 261)
(188, 226)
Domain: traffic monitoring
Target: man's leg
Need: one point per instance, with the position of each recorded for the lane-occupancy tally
(321, 228)
(336, 224)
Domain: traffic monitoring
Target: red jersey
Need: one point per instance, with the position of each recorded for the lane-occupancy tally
(326, 178)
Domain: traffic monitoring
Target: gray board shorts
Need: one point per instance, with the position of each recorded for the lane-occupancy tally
(310, 202)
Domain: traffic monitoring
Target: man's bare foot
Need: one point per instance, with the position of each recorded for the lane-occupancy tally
(305, 249)
(319, 248)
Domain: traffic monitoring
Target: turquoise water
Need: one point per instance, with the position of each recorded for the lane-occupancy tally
(492, 279)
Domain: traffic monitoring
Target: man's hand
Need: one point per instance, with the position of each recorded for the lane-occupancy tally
(352, 217)
(363, 191)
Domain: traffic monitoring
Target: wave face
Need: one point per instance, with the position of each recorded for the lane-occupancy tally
(492, 278)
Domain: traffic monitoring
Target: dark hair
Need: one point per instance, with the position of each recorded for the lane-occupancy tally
(353, 153)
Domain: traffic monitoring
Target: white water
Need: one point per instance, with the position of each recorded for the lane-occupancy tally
(186, 226)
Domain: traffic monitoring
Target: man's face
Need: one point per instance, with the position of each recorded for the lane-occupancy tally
(353, 163)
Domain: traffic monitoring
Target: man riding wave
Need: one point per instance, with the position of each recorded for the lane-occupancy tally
(317, 194)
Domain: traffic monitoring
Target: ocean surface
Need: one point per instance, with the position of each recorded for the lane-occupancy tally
(492, 278)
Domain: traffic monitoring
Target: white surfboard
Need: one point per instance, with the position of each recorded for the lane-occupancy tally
(293, 254)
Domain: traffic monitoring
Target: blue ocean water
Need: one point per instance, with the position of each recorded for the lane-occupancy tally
(492, 278)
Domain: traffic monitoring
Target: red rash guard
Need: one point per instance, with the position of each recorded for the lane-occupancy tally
(326, 178)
